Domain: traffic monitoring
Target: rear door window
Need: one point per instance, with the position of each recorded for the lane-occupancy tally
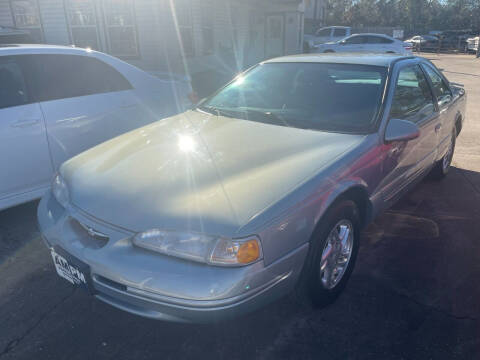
(384, 40)
(324, 32)
(355, 40)
(13, 89)
(65, 76)
(339, 32)
(373, 39)
(413, 98)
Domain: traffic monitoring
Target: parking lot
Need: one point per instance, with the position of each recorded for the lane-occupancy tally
(413, 295)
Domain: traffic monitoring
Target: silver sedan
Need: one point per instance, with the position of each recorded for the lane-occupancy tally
(263, 188)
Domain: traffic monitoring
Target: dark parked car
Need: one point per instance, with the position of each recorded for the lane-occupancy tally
(10, 35)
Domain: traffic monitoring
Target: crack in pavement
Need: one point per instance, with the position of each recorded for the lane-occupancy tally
(432, 308)
(470, 182)
(12, 344)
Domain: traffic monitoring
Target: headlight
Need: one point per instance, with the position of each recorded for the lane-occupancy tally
(60, 190)
(202, 248)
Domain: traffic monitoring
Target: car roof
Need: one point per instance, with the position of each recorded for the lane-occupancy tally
(335, 27)
(17, 49)
(342, 58)
(369, 34)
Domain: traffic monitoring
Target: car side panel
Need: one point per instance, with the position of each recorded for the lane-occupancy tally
(290, 223)
(24, 156)
(77, 124)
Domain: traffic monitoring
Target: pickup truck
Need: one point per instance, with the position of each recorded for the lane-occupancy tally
(325, 34)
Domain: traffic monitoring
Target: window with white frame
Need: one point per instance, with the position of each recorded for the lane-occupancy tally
(121, 27)
(184, 21)
(26, 15)
(82, 19)
(208, 37)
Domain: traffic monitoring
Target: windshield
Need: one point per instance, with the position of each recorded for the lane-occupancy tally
(319, 96)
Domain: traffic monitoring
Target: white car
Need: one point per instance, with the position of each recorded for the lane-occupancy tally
(376, 43)
(56, 102)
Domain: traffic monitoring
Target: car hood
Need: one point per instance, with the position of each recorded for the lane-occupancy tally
(197, 171)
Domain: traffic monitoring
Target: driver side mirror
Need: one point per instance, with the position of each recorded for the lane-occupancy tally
(343, 42)
(401, 130)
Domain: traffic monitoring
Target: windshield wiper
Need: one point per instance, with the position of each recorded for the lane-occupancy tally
(217, 111)
(269, 115)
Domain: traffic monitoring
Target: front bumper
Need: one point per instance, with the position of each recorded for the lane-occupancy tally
(161, 287)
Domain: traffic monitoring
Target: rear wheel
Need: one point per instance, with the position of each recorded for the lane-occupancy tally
(328, 51)
(442, 167)
(332, 254)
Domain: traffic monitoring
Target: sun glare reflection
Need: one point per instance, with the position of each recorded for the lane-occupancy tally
(186, 143)
(239, 81)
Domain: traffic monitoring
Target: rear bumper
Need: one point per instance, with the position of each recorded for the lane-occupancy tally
(164, 288)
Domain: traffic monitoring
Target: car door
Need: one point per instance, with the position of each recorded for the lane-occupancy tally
(352, 44)
(24, 157)
(82, 100)
(407, 160)
(388, 45)
(373, 44)
(444, 99)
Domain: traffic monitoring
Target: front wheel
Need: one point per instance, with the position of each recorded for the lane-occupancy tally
(332, 254)
(442, 167)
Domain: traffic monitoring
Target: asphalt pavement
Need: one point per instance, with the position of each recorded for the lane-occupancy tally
(414, 294)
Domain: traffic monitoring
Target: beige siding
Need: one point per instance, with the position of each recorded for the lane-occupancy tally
(5, 13)
(150, 32)
(52, 14)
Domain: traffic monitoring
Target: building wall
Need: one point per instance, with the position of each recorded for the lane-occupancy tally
(150, 31)
(54, 22)
(315, 9)
(238, 27)
(5, 13)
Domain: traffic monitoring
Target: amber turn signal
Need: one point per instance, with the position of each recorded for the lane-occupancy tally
(248, 252)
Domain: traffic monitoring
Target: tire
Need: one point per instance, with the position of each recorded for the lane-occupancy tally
(328, 51)
(442, 167)
(315, 284)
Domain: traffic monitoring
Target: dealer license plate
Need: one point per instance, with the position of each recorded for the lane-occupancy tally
(71, 269)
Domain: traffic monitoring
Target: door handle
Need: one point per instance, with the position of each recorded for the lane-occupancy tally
(438, 127)
(25, 123)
